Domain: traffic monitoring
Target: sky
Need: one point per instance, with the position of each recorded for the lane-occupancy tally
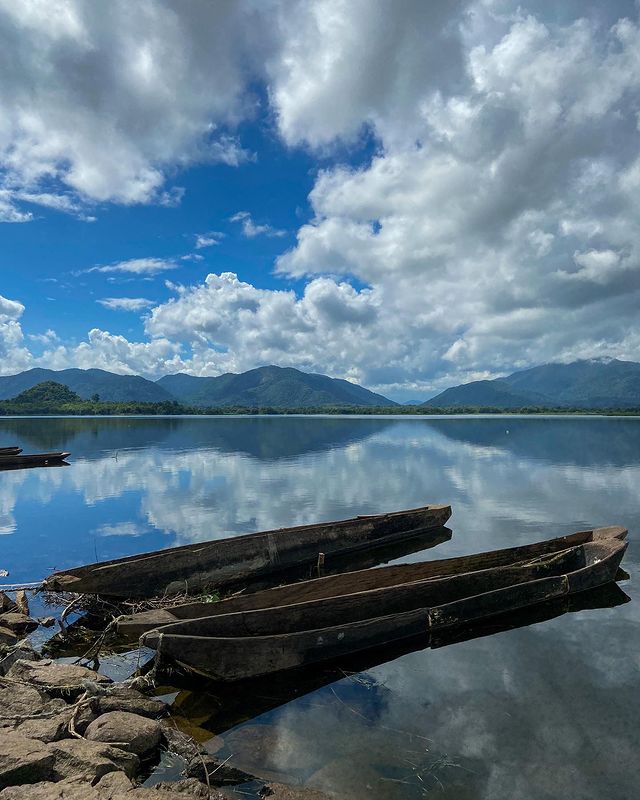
(405, 194)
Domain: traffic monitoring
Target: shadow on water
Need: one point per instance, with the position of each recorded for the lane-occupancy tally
(208, 709)
(264, 438)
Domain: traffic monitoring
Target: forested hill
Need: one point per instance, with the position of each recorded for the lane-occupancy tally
(272, 386)
(88, 383)
(581, 384)
(278, 387)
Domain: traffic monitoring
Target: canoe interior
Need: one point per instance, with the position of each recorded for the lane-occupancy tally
(383, 601)
(362, 581)
(210, 565)
(197, 645)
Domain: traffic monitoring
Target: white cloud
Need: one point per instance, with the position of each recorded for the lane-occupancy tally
(101, 105)
(125, 303)
(47, 337)
(207, 239)
(250, 229)
(138, 266)
(495, 225)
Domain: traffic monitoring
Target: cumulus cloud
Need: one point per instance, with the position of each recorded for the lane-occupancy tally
(125, 303)
(251, 229)
(96, 103)
(495, 225)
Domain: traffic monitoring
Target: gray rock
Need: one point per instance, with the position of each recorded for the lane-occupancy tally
(114, 786)
(131, 732)
(17, 622)
(6, 603)
(18, 699)
(77, 758)
(22, 650)
(58, 680)
(278, 791)
(48, 729)
(7, 637)
(119, 698)
(189, 787)
(23, 760)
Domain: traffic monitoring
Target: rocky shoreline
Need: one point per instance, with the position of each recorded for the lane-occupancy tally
(70, 733)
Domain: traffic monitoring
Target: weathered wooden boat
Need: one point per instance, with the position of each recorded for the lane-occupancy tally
(206, 566)
(375, 583)
(215, 710)
(10, 451)
(245, 644)
(32, 460)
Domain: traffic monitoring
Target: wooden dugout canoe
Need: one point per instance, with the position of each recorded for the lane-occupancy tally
(240, 645)
(206, 566)
(216, 709)
(10, 451)
(379, 581)
(32, 459)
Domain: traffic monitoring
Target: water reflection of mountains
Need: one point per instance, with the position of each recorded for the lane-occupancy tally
(559, 440)
(581, 441)
(264, 438)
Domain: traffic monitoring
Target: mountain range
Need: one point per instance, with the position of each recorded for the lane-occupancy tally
(271, 386)
(581, 384)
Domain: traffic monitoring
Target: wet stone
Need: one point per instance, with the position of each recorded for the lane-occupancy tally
(220, 774)
(131, 732)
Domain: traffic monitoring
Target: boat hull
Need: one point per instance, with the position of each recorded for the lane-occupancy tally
(235, 657)
(361, 582)
(32, 460)
(226, 562)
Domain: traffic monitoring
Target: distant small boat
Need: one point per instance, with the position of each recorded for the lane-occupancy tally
(10, 451)
(374, 589)
(235, 646)
(32, 460)
(211, 565)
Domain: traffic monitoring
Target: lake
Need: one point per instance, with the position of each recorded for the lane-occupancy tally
(548, 709)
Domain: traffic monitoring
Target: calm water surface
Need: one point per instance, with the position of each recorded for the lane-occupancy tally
(546, 710)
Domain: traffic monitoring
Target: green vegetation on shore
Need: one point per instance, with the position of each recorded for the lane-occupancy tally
(51, 398)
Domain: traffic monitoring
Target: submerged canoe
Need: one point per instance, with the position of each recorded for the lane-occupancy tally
(378, 582)
(10, 451)
(239, 645)
(211, 565)
(32, 459)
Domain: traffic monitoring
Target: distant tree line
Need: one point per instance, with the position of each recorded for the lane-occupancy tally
(55, 399)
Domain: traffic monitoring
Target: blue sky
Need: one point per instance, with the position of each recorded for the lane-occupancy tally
(407, 195)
